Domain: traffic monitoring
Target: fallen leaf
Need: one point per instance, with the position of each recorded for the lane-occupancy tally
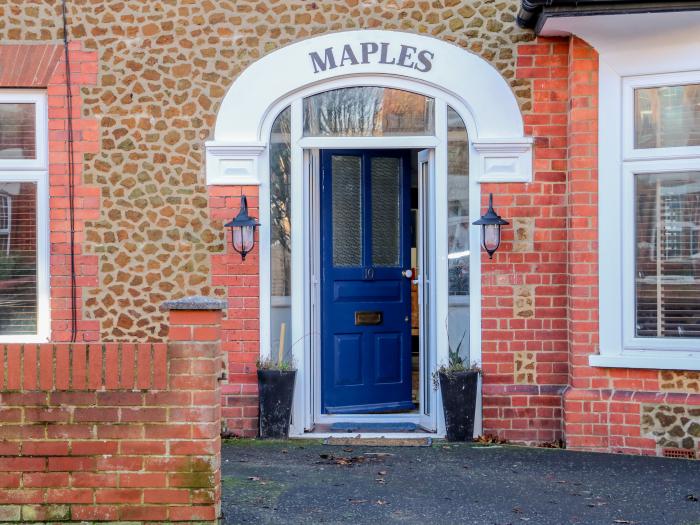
(253, 478)
(381, 502)
(381, 473)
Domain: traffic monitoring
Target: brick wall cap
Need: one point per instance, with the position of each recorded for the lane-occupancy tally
(194, 302)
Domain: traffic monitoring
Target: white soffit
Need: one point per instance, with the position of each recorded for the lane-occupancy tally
(635, 44)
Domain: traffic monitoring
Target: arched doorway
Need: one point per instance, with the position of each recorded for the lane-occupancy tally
(423, 121)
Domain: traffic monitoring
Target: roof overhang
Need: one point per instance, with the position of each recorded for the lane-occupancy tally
(633, 38)
(543, 15)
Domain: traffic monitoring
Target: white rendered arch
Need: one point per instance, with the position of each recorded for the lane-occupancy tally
(499, 152)
(239, 139)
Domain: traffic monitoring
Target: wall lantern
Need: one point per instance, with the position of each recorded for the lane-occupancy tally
(490, 223)
(243, 230)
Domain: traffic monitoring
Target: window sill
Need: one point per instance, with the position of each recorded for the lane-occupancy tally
(649, 360)
(23, 339)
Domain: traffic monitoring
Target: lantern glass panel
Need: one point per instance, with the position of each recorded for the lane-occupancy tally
(491, 237)
(243, 238)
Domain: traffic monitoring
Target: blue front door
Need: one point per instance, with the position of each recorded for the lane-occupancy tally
(366, 298)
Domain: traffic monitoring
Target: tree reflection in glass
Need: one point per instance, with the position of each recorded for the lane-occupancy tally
(368, 111)
(280, 231)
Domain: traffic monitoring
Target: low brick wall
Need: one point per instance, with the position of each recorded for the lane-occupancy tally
(113, 432)
(633, 422)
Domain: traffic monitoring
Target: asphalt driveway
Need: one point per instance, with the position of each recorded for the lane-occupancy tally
(308, 482)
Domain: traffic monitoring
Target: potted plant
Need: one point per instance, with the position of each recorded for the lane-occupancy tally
(458, 381)
(275, 393)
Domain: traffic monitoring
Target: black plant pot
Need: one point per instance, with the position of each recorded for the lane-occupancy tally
(275, 390)
(459, 403)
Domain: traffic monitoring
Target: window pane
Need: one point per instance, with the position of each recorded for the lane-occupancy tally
(458, 231)
(280, 234)
(346, 195)
(17, 131)
(386, 211)
(368, 112)
(18, 260)
(667, 254)
(667, 116)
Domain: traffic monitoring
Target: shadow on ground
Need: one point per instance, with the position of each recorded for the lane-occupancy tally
(307, 482)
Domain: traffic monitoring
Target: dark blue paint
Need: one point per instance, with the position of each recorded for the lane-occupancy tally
(365, 369)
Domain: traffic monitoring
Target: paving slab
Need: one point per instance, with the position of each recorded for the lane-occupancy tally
(304, 482)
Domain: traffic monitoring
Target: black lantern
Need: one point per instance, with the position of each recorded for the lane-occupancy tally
(490, 223)
(243, 230)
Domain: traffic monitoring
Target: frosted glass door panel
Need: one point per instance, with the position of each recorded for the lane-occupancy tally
(386, 211)
(347, 210)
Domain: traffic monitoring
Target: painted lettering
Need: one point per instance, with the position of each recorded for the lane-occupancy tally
(322, 65)
(348, 54)
(405, 55)
(426, 59)
(368, 48)
(384, 53)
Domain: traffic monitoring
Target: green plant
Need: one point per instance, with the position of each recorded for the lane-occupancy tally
(455, 363)
(272, 364)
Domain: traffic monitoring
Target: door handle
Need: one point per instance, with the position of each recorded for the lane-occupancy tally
(407, 273)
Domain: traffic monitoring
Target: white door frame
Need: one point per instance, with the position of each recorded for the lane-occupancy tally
(312, 225)
(499, 152)
(305, 323)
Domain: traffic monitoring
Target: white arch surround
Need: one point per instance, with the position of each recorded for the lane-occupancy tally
(497, 135)
(238, 155)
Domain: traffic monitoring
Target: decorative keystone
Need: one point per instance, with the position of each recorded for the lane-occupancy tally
(194, 302)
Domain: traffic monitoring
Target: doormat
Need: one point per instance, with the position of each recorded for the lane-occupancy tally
(373, 427)
(379, 442)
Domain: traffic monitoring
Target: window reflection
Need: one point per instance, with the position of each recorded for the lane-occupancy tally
(667, 116)
(667, 258)
(368, 112)
(458, 231)
(280, 233)
(17, 131)
(18, 258)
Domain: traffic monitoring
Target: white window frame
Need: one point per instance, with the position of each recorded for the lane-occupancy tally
(629, 85)
(38, 98)
(34, 170)
(619, 163)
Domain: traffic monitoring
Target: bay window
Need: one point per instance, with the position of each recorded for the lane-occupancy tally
(650, 225)
(24, 301)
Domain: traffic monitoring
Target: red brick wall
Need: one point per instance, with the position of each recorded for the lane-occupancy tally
(113, 432)
(524, 287)
(42, 66)
(87, 198)
(608, 410)
(241, 328)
